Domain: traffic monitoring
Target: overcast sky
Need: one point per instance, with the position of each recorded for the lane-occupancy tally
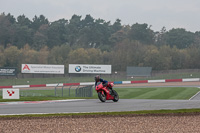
(158, 13)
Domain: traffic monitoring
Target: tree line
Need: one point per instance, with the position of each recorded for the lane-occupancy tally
(95, 41)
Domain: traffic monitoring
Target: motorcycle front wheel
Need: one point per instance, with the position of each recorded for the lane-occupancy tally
(102, 97)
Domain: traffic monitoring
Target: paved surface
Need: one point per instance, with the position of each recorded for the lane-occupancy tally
(94, 105)
(196, 96)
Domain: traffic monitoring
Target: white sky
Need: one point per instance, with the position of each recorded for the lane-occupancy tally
(158, 13)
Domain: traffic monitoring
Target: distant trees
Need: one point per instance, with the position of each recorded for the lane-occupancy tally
(58, 33)
(2, 56)
(29, 55)
(126, 53)
(12, 55)
(6, 29)
(179, 38)
(94, 41)
(142, 33)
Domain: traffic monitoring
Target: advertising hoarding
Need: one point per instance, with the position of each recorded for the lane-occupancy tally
(10, 94)
(91, 69)
(8, 71)
(42, 69)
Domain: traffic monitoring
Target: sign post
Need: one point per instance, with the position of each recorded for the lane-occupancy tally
(10, 93)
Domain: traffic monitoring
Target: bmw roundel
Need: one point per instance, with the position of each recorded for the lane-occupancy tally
(77, 68)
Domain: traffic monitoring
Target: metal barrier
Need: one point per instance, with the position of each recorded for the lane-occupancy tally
(56, 89)
(85, 91)
(74, 91)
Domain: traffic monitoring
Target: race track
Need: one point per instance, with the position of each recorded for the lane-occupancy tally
(94, 105)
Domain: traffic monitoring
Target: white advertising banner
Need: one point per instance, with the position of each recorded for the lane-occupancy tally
(43, 69)
(10, 93)
(92, 69)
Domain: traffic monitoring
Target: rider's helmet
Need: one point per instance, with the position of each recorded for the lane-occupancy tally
(97, 78)
(110, 85)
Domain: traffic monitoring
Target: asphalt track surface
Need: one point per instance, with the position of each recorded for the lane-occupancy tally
(94, 105)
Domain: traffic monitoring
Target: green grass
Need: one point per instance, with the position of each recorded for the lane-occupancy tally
(181, 93)
(177, 75)
(157, 93)
(44, 94)
(35, 81)
(107, 114)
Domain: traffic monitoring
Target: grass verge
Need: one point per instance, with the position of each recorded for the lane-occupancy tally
(169, 93)
(110, 114)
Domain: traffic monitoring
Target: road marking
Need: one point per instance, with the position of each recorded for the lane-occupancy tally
(39, 102)
(58, 113)
(195, 95)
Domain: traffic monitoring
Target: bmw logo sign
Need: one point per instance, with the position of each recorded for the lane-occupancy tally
(77, 68)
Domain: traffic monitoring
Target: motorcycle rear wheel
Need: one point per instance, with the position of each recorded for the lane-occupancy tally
(116, 96)
(102, 97)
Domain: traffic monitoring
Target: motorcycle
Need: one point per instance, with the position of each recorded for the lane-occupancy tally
(106, 94)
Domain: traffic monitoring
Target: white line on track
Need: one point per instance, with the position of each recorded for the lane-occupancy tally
(195, 95)
(57, 113)
(39, 102)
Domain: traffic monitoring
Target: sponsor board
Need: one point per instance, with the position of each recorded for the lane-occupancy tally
(10, 93)
(87, 68)
(5, 71)
(42, 69)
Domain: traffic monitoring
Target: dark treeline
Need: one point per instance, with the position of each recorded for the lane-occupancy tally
(95, 41)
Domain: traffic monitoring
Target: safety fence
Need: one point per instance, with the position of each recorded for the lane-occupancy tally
(74, 91)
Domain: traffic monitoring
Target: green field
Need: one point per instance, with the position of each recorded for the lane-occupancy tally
(181, 93)
(157, 93)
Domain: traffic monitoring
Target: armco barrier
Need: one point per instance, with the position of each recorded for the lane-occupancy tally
(115, 82)
(126, 82)
(21, 86)
(190, 80)
(1, 87)
(173, 80)
(156, 81)
(87, 83)
(71, 84)
(53, 85)
(139, 81)
(38, 85)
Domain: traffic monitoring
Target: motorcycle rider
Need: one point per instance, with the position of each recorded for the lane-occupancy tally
(104, 82)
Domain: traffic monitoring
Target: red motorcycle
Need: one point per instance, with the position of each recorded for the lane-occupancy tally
(106, 94)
